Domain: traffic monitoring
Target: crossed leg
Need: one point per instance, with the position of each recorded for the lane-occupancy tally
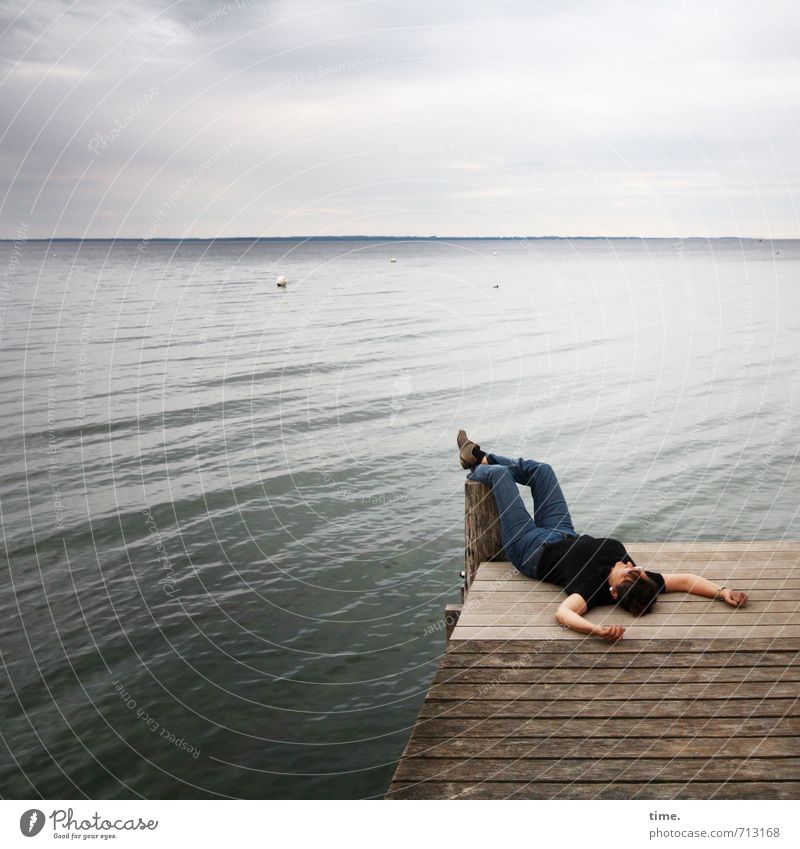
(549, 505)
(521, 534)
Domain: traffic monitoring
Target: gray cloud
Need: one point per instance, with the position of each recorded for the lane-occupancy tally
(390, 117)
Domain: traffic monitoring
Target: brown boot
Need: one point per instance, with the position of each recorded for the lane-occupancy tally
(465, 446)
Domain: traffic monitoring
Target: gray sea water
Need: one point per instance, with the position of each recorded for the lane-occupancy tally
(232, 514)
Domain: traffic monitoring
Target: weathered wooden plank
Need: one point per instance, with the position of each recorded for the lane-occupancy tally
(635, 631)
(600, 790)
(785, 555)
(657, 646)
(706, 545)
(499, 570)
(788, 583)
(743, 558)
(502, 690)
(481, 585)
(605, 709)
(521, 584)
(776, 587)
(503, 568)
(626, 747)
(627, 661)
(633, 674)
(547, 594)
(696, 566)
(581, 728)
(666, 605)
(607, 769)
(749, 571)
(614, 616)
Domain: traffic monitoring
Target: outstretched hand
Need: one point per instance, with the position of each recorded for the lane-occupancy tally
(612, 633)
(734, 598)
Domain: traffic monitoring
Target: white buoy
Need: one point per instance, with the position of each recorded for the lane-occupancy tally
(281, 281)
(393, 259)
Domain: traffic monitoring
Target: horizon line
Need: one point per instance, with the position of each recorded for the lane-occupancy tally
(361, 237)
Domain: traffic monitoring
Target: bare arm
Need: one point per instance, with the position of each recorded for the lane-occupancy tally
(697, 585)
(570, 613)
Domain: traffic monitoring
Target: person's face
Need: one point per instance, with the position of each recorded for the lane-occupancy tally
(620, 573)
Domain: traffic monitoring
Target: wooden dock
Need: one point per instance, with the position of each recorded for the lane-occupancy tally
(698, 701)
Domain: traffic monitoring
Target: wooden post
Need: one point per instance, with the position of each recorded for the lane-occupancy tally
(482, 539)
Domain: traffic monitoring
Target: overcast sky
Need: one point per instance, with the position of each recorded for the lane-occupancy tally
(231, 118)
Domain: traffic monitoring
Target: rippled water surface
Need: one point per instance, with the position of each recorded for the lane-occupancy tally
(232, 513)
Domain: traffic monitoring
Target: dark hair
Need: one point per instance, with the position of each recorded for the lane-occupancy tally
(637, 595)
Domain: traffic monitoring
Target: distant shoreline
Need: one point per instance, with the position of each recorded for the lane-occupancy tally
(408, 239)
